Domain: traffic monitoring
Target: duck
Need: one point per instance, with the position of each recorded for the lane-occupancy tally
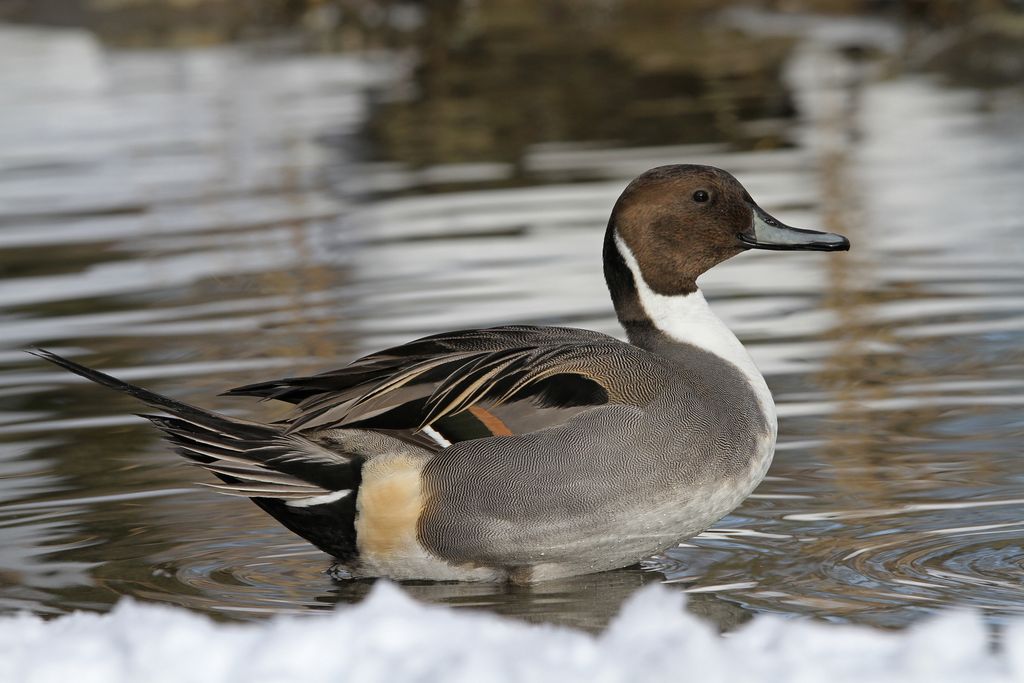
(523, 453)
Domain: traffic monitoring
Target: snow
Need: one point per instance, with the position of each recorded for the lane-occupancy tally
(391, 638)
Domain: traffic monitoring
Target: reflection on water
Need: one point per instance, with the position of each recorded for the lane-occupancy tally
(194, 220)
(494, 80)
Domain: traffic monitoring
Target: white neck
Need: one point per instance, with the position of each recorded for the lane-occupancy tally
(687, 318)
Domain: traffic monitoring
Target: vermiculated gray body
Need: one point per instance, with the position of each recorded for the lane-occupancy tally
(611, 485)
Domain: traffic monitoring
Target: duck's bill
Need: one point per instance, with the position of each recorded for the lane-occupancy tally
(768, 233)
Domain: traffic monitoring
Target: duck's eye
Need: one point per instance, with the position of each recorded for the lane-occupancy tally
(701, 196)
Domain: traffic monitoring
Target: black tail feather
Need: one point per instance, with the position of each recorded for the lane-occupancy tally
(254, 460)
(189, 413)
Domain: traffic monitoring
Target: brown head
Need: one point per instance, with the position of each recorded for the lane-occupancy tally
(679, 221)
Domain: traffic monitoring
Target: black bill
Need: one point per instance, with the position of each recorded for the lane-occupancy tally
(768, 233)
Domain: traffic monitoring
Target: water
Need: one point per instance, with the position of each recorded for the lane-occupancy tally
(195, 220)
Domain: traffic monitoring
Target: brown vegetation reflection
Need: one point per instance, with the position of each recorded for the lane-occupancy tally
(494, 78)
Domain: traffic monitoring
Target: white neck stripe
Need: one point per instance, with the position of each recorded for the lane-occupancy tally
(687, 318)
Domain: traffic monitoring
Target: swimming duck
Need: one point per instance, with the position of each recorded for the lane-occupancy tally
(524, 453)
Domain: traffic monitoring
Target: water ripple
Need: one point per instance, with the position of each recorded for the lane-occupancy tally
(195, 220)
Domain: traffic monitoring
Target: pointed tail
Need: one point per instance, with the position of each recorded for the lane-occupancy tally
(184, 411)
(307, 486)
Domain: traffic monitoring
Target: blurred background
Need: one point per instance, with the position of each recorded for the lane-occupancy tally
(195, 194)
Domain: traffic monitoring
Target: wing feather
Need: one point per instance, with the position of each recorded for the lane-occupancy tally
(436, 381)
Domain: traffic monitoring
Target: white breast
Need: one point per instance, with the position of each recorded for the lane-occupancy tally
(688, 319)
